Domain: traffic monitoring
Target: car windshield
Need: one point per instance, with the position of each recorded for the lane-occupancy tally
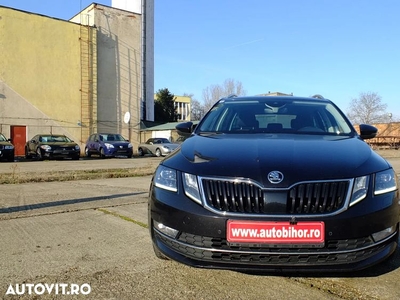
(111, 138)
(54, 139)
(160, 141)
(275, 116)
(2, 138)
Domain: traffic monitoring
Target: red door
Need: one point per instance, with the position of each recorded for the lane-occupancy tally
(18, 136)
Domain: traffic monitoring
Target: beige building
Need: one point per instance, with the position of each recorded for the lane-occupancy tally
(183, 107)
(71, 77)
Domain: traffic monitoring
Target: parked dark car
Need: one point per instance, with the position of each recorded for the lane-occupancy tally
(275, 184)
(108, 145)
(6, 149)
(48, 146)
(157, 147)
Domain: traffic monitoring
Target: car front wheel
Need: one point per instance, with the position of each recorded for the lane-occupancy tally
(102, 154)
(27, 155)
(140, 151)
(158, 152)
(87, 153)
(39, 154)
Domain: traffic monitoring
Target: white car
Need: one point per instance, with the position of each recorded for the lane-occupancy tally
(157, 147)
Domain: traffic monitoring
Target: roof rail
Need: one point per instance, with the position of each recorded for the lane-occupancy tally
(318, 96)
(232, 96)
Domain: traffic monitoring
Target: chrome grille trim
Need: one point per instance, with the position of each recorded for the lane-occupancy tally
(227, 197)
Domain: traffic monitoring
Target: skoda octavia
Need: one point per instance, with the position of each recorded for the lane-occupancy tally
(275, 184)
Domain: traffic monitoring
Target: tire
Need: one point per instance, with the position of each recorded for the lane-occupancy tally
(75, 157)
(102, 154)
(158, 152)
(140, 151)
(11, 159)
(39, 154)
(158, 253)
(27, 155)
(87, 153)
(130, 156)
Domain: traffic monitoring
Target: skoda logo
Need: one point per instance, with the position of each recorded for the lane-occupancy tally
(275, 177)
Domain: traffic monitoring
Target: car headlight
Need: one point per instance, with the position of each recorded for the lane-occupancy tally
(166, 147)
(45, 147)
(191, 187)
(165, 178)
(360, 189)
(130, 145)
(8, 147)
(77, 148)
(109, 146)
(385, 182)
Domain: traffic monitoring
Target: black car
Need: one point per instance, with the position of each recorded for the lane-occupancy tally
(108, 145)
(6, 149)
(48, 146)
(275, 184)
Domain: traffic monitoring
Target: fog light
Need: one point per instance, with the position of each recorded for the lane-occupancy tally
(165, 229)
(378, 236)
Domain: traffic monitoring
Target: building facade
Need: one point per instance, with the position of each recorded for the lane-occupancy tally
(183, 107)
(72, 77)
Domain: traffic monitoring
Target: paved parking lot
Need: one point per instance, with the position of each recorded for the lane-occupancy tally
(95, 232)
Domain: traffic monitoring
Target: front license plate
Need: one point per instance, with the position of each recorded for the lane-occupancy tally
(275, 232)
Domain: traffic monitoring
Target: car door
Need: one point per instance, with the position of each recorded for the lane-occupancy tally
(94, 143)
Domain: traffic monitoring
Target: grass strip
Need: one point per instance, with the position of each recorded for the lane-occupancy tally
(16, 177)
(123, 217)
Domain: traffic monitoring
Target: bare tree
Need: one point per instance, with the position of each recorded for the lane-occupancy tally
(196, 109)
(368, 109)
(213, 93)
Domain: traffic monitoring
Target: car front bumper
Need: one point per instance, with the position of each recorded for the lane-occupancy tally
(61, 154)
(119, 152)
(6, 154)
(202, 238)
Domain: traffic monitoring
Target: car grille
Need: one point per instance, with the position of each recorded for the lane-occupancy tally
(218, 250)
(248, 198)
(63, 151)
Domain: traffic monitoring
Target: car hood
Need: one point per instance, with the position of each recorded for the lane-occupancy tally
(172, 146)
(297, 157)
(59, 144)
(117, 143)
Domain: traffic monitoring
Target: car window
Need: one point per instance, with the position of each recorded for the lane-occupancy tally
(54, 138)
(2, 138)
(286, 116)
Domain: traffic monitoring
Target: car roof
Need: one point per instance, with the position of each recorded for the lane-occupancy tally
(106, 133)
(52, 134)
(316, 98)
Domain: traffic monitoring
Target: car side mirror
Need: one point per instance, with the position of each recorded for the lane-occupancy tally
(367, 131)
(185, 129)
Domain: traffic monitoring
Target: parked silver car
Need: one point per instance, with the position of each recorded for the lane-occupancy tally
(157, 147)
